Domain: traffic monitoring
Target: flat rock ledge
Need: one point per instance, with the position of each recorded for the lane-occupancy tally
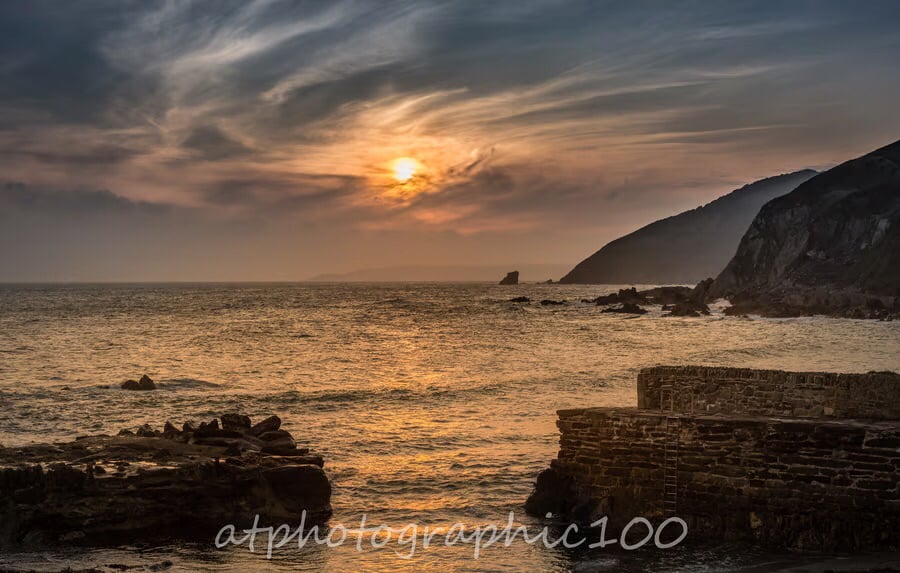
(147, 485)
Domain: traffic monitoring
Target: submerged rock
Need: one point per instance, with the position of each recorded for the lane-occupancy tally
(106, 490)
(687, 308)
(145, 383)
(625, 295)
(520, 299)
(626, 308)
(667, 294)
(657, 295)
(548, 302)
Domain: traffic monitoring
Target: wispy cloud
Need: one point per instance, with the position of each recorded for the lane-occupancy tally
(527, 117)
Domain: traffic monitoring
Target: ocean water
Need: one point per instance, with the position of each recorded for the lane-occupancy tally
(432, 403)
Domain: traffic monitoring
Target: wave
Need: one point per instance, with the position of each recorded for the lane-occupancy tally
(186, 383)
(391, 395)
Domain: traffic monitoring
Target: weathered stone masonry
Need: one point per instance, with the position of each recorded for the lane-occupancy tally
(745, 471)
(742, 391)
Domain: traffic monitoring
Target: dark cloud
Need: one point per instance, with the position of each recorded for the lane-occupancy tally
(211, 143)
(23, 198)
(50, 57)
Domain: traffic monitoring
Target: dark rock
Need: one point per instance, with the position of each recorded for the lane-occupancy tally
(146, 431)
(277, 440)
(270, 424)
(207, 428)
(235, 422)
(211, 432)
(145, 383)
(170, 431)
(520, 299)
(548, 302)
(625, 295)
(627, 308)
(511, 278)
(275, 435)
(279, 449)
(558, 496)
(687, 308)
(161, 489)
(666, 294)
(700, 293)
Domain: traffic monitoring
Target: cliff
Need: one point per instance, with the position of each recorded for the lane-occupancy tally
(831, 246)
(687, 247)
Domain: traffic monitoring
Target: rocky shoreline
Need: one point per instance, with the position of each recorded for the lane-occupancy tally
(146, 484)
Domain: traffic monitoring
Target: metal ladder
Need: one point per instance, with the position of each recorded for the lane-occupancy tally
(670, 467)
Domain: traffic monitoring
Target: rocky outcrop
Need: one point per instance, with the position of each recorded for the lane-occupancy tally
(627, 308)
(658, 295)
(686, 308)
(145, 383)
(153, 485)
(832, 246)
(687, 247)
(511, 278)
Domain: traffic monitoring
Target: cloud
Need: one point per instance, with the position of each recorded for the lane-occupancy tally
(18, 198)
(211, 143)
(558, 119)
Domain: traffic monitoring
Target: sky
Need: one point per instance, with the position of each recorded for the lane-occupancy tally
(275, 140)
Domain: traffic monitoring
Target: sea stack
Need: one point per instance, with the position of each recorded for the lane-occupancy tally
(511, 278)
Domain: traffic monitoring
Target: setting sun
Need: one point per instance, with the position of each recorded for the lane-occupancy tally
(405, 168)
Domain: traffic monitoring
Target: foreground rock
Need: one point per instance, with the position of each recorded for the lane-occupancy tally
(145, 383)
(511, 278)
(832, 246)
(150, 485)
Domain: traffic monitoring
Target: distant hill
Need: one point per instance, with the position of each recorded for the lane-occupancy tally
(449, 273)
(831, 246)
(684, 248)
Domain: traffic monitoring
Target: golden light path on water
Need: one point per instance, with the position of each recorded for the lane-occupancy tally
(432, 404)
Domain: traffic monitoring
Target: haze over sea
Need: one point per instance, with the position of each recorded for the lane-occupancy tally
(432, 403)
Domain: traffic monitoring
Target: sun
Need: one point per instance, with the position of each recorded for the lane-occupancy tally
(405, 168)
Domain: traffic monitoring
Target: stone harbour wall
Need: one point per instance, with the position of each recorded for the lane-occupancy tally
(740, 391)
(811, 484)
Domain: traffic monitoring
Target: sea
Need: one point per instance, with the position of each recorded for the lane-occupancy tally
(433, 404)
